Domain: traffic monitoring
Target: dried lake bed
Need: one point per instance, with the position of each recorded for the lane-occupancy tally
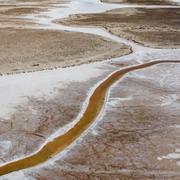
(135, 135)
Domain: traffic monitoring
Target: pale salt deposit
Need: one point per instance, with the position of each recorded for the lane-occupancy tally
(16, 88)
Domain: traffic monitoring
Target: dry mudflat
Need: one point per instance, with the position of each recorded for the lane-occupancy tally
(138, 135)
(37, 119)
(143, 2)
(157, 27)
(25, 49)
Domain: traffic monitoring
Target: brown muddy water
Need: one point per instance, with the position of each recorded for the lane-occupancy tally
(92, 110)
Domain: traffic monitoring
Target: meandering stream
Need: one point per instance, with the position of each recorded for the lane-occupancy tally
(97, 99)
(93, 109)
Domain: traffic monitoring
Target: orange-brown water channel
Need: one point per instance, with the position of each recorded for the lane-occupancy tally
(94, 106)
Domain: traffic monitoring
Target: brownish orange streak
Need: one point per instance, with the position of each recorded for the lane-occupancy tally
(93, 108)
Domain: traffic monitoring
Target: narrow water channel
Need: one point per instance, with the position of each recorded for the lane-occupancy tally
(98, 97)
(93, 109)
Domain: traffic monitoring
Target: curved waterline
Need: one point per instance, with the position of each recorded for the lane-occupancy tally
(93, 109)
(48, 19)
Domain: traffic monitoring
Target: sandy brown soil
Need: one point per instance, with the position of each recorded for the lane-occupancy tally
(26, 50)
(18, 11)
(151, 27)
(148, 2)
(10, 10)
(12, 13)
(139, 129)
(23, 49)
